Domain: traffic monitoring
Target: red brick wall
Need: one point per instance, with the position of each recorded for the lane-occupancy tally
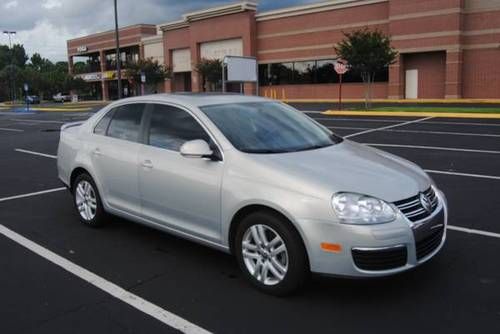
(431, 68)
(106, 40)
(239, 25)
(481, 73)
(274, 35)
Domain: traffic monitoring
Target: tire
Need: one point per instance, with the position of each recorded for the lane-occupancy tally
(87, 201)
(269, 276)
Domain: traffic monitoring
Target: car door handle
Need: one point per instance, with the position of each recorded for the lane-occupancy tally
(97, 152)
(147, 164)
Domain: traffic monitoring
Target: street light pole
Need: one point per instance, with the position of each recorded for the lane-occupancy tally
(11, 74)
(118, 58)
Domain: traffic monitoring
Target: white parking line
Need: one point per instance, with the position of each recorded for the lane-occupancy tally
(473, 231)
(10, 129)
(347, 128)
(419, 131)
(447, 133)
(387, 127)
(32, 194)
(36, 153)
(385, 120)
(463, 123)
(481, 176)
(434, 148)
(114, 290)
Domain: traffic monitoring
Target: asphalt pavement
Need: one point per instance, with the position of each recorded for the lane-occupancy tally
(456, 292)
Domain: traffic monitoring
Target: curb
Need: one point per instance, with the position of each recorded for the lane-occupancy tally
(402, 101)
(412, 114)
(61, 109)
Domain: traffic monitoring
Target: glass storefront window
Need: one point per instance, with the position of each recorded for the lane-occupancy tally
(86, 64)
(325, 71)
(310, 72)
(282, 73)
(304, 72)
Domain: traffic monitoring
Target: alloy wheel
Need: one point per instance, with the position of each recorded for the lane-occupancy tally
(265, 254)
(86, 200)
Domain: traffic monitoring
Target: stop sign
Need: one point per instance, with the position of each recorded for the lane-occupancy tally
(340, 68)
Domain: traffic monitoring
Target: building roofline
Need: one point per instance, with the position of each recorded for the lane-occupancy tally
(112, 30)
(313, 8)
(209, 13)
(151, 39)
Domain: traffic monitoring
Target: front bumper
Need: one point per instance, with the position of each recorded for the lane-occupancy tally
(402, 244)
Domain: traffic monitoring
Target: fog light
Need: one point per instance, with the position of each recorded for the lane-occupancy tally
(331, 248)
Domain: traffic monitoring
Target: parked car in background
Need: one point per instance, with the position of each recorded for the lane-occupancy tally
(60, 97)
(255, 178)
(33, 99)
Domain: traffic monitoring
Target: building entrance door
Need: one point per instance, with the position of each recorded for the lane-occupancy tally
(411, 84)
(182, 81)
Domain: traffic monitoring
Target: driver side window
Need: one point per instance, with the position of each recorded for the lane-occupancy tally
(170, 127)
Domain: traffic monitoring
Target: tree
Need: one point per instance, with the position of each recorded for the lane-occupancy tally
(12, 61)
(155, 72)
(366, 52)
(77, 84)
(211, 73)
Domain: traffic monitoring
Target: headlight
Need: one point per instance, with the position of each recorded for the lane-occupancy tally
(361, 210)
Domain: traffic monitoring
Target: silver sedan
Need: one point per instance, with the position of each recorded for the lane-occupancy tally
(256, 178)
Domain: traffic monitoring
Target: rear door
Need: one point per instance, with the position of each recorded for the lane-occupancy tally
(114, 153)
(181, 193)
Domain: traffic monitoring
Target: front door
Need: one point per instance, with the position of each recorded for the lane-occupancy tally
(181, 193)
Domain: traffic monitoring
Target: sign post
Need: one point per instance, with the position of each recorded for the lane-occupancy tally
(240, 70)
(26, 88)
(341, 68)
(143, 81)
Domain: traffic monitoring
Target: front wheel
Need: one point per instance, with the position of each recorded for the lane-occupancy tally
(271, 253)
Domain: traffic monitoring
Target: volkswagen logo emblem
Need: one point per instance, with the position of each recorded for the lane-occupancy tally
(426, 203)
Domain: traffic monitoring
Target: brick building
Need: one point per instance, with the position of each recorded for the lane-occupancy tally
(93, 58)
(447, 48)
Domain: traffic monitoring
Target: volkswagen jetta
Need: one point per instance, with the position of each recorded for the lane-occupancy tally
(256, 178)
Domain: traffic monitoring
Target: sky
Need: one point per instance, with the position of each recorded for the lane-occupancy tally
(44, 26)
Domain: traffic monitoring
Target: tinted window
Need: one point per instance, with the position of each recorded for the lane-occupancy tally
(311, 72)
(171, 127)
(325, 71)
(102, 126)
(304, 72)
(126, 122)
(268, 127)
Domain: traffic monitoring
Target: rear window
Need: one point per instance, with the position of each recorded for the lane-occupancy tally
(102, 125)
(126, 122)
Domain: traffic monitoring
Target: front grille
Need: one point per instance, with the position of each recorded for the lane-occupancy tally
(413, 209)
(380, 259)
(428, 244)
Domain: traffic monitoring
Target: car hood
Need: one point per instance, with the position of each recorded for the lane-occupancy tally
(348, 167)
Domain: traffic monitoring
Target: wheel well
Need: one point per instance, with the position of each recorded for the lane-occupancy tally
(247, 210)
(74, 175)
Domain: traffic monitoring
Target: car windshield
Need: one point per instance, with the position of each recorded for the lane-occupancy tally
(268, 127)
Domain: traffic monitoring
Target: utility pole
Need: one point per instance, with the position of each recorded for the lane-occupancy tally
(118, 58)
(11, 74)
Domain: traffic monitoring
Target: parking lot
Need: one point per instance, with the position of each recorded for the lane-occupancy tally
(59, 276)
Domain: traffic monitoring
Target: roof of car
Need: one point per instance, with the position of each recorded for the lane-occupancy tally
(198, 99)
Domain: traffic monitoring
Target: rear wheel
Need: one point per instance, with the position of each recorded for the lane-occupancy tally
(87, 201)
(271, 253)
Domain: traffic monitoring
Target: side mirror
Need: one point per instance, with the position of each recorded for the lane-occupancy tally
(197, 148)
